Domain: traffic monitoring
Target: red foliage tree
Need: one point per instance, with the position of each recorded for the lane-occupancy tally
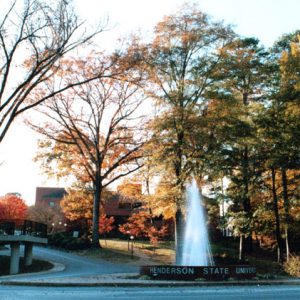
(1, 210)
(140, 225)
(106, 224)
(155, 234)
(12, 207)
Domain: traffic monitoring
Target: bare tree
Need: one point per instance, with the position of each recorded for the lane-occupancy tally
(34, 37)
(97, 134)
(45, 214)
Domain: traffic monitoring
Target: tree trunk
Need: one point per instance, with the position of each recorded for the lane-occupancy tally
(286, 211)
(245, 99)
(277, 219)
(179, 234)
(241, 250)
(178, 169)
(86, 227)
(96, 215)
(247, 241)
(147, 183)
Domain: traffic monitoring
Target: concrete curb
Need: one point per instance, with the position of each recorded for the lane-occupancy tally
(119, 282)
(138, 284)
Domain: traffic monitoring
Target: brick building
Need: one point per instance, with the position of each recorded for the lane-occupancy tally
(118, 206)
(49, 196)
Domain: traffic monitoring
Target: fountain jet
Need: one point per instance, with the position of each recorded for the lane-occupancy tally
(196, 246)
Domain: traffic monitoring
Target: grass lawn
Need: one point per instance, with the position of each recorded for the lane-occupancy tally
(37, 265)
(117, 255)
(119, 251)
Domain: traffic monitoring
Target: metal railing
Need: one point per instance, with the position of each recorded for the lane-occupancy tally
(22, 227)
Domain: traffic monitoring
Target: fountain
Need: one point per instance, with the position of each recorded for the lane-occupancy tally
(196, 246)
(197, 261)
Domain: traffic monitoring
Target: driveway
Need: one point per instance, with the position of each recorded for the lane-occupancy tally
(75, 265)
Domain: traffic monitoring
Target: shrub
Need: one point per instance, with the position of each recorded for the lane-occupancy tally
(78, 244)
(66, 241)
(292, 267)
(56, 239)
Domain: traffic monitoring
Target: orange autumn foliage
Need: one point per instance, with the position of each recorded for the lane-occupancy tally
(140, 225)
(106, 224)
(12, 207)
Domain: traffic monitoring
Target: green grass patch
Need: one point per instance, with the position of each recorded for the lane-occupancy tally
(113, 255)
(37, 265)
(163, 253)
(119, 251)
(266, 267)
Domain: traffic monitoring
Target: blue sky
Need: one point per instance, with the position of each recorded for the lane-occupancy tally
(264, 19)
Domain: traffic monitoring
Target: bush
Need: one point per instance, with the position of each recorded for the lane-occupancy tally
(292, 267)
(66, 241)
(56, 239)
(78, 244)
(225, 259)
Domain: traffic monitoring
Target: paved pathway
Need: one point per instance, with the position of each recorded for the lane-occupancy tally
(72, 265)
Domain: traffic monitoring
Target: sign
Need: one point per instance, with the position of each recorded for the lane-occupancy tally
(75, 234)
(192, 273)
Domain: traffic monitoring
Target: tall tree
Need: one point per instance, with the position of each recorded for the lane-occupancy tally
(34, 37)
(98, 128)
(279, 124)
(243, 74)
(290, 94)
(180, 63)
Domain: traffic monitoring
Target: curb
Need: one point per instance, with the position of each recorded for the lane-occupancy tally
(146, 283)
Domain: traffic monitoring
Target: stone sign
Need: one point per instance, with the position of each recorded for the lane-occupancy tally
(192, 273)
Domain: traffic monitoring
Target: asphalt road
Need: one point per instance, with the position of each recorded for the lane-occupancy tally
(203, 293)
(76, 265)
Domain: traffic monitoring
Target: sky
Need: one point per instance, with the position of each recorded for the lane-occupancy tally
(266, 20)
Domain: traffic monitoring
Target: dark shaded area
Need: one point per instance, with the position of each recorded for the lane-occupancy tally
(65, 240)
(37, 266)
(22, 227)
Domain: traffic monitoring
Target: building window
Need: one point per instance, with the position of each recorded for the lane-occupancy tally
(125, 205)
(136, 204)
